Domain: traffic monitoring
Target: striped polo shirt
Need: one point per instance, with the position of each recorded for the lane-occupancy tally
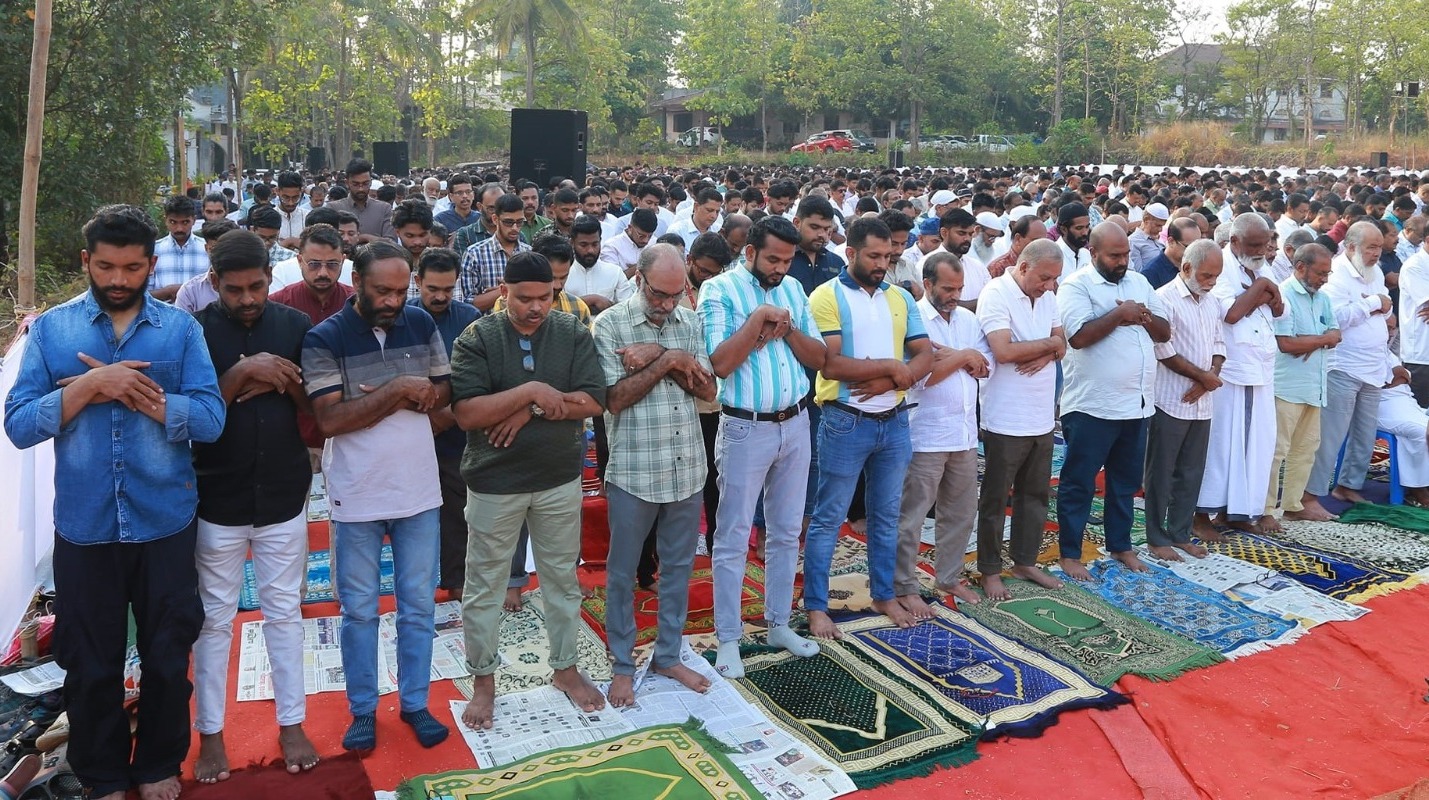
(388, 470)
(771, 379)
(876, 326)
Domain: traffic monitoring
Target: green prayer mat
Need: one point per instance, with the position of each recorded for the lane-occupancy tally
(1387, 548)
(1081, 629)
(876, 727)
(1409, 518)
(671, 762)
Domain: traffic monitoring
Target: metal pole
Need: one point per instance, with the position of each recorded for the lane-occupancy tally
(34, 135)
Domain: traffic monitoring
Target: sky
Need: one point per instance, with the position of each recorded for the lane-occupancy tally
(1214, 22)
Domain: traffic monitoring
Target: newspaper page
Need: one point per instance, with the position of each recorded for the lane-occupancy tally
(36, 680)
(1216, 571)
(779, 765)
(1285, 597)
(322, 661)
(532, 722)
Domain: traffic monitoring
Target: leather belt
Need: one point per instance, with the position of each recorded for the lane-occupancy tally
(757, 416)
(878, 416)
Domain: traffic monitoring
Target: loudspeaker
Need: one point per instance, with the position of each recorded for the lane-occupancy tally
(1379, 159)
(546, 143)
(317, 159)
(895, 158)
(390, 158)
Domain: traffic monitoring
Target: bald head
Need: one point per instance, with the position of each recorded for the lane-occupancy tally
(1111, 251)
(660, 257)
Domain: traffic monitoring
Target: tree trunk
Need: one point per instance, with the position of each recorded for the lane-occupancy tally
(344, 144)
(34, 140)
(181, 155)
(530, 36)
(914, 129)
(763, 127)
(1059, 69)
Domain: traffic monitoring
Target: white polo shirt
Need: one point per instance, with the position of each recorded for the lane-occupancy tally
(1014, 404)
(604, 279)
(945, 419)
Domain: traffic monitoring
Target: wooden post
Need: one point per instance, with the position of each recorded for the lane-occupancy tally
(34, 136)
(181, 155)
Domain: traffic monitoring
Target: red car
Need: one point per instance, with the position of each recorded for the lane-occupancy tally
(841, 141)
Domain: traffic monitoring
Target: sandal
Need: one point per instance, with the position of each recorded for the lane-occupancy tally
(55, 781)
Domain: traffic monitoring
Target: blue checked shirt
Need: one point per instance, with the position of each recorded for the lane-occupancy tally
(177, 264)
(482, 267)
(771, 379)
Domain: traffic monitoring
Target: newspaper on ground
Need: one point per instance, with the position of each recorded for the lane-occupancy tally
(1281, 596)
(1216, 571)
(36, 680)
(322, 654)
(531, 722)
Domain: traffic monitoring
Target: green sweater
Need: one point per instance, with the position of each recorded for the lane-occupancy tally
(487, 359)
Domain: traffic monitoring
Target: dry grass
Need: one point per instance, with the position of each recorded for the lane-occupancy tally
(1211, 143)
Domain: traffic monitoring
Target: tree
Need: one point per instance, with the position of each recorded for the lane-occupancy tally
(524, 23)
(728, 87)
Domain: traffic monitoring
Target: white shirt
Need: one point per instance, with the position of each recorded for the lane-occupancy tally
(945, 419)
(663, 220)
(1071, 262)
(1364, 333)
(1014, 404)
(1285, 226)
(288, 271)
(605, 279)
(975, 274)
(1197, 335)
(686, 230)
(610, 227)
(293, 223)
(1413, 296)
(1113, 378)
(620, 251)
(1250, 343)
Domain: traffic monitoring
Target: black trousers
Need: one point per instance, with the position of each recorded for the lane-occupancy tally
(95, 587)
(453, 524)
(709, 426)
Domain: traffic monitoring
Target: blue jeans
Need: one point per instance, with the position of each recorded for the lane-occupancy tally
(1119, 445)
(416, 546)
(850, 444)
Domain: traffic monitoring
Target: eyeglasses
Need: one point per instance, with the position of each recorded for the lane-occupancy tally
(657, 295)
(512, 222)
(528, 362)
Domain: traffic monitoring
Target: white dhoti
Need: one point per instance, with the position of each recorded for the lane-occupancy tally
(1401, 416)
(1241, 448)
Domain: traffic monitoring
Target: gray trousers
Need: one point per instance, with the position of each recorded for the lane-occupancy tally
(946, 482)
(1175, 464)
(1350, 418)
(1022, 465)
(677, 529)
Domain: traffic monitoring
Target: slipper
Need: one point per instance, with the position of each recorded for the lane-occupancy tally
(19, 777)
(55, 781)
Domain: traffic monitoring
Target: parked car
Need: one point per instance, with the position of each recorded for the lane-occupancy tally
(986, 141)
(839, 141)
(696, 137)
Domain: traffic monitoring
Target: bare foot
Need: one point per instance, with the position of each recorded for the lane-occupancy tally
(687, 677)
(111, 796)
(994, 588)
(859, 526)
(1311, 510)
(1269, 524)
(1347, 494)
(512, 602)
(622, 691)
(298, 753)
(1244, 525)
(579, 689)
(1074, 569)
(483, 702)
(821, 627)
(961, 591)
(1201, 526)
(1131, 561)
(1165, 552)
(212, 763)
(166, 789)
(1037, 576)
(915, 604)
(895, 611)
(1192, 548)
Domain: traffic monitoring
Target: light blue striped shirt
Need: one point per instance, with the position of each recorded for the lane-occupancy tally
(771, 379)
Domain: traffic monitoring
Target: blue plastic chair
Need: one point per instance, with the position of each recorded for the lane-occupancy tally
(1396, 490)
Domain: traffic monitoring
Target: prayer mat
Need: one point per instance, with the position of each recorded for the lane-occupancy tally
(1161, 597)
(848, 574)
(1081, 629)
(336, 777)
(700, 617)
(524, 649)
(1387, 548)
(1215, 572)
(319, 583)
(877, 727)
(1336, 574)
(667, 761)
(982, 676)
(1409, 518)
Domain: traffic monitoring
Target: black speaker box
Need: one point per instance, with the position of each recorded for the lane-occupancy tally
(390, 158)
(547, 143)
(1379, 159)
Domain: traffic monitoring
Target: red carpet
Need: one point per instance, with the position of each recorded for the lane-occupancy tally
(335, 778)
(1339, 714)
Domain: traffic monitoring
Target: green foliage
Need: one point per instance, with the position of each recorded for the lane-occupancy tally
(1071, 141)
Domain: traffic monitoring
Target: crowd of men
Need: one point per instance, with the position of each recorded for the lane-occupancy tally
(775, 353)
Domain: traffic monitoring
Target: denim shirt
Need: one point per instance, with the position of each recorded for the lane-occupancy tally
(119, 476)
